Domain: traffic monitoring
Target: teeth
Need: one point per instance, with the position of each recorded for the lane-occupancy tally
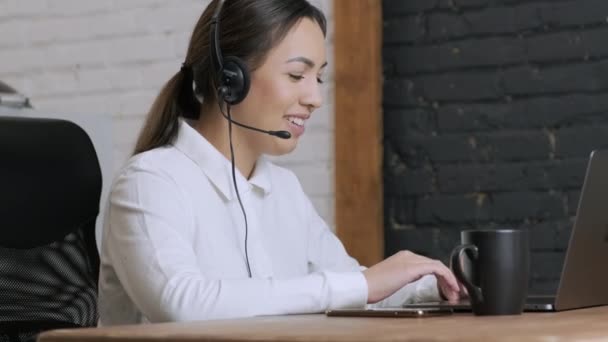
(296, 121)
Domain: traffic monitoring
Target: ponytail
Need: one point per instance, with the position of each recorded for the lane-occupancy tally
(175, 99)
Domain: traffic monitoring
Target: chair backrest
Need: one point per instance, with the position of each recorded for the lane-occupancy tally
(50, 186)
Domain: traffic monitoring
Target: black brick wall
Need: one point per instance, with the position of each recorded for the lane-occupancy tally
(491, 108)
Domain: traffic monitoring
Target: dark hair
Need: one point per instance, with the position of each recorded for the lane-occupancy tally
(248, 29)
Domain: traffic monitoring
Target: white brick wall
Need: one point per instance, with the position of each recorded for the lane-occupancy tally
(112, 57)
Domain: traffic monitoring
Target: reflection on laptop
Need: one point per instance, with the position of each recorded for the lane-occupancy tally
(584, 278)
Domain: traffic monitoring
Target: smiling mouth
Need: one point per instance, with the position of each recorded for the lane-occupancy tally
(296, 120)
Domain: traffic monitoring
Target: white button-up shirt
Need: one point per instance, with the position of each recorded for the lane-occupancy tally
(173, 245)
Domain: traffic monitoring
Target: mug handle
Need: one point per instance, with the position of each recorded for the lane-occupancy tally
(474, 291)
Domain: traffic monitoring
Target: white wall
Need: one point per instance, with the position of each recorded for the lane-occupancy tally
(110, 57)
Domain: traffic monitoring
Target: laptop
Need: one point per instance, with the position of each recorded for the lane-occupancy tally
(584, 278)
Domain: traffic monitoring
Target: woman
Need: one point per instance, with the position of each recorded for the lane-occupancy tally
(187, 237)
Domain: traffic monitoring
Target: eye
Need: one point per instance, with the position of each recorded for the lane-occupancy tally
(296, 77)
(320, 80)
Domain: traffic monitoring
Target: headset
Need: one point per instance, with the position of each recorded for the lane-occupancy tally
(232, 76)
(232, 82)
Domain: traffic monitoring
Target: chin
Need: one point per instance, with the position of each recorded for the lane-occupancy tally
(283, 147)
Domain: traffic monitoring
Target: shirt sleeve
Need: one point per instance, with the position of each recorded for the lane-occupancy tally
(422, 290)
(150, 251)
(327, 252)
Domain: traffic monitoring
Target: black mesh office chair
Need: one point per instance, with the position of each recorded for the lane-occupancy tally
(50, 185)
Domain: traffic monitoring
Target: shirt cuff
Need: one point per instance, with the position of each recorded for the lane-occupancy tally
(426, 289)
(346, 290)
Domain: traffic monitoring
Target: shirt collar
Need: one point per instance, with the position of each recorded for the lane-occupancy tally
(217, 167)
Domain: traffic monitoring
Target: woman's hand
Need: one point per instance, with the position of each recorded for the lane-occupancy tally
(446, 293)
(402, 268)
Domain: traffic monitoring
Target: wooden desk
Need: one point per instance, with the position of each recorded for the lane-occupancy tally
(578, 325)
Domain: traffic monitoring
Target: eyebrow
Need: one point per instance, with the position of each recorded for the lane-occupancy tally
(304, 60)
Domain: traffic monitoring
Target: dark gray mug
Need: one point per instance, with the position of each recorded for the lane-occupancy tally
(493, 265)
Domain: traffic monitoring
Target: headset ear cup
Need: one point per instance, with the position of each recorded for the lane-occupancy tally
(235, 77)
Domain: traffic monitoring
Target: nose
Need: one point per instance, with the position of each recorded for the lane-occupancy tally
(313, 97)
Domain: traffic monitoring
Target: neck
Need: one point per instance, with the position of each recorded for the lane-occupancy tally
(214, 127)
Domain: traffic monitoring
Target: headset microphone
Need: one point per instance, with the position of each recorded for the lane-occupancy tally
(232, 85)
(278, 134)
(232, 76)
